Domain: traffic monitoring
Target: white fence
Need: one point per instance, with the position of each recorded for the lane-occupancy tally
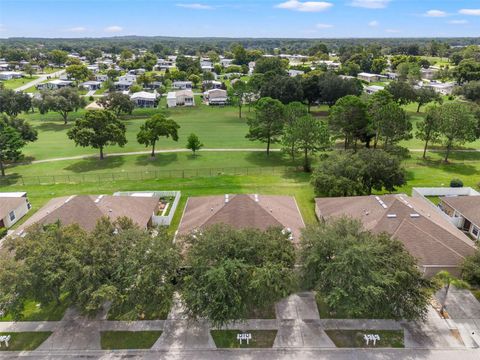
(157, 220)
(444, 191)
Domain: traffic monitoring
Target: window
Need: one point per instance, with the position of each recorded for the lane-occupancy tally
(475, 231)
(12, 215)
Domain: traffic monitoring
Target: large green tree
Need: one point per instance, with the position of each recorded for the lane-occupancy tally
(231, 273)
(98, 128)
(362, 274)
(403, 93)
(117, 102)
(159, 125)
(266, 124)
(63, 101)
(13, 102)
(428, 128)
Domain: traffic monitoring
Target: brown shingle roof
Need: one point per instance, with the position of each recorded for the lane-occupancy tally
(8, 204)
(242, 211)
(426, 234)
(468, 206)
(86, 210)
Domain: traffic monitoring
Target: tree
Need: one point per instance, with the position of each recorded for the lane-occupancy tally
(284, 88)
(29, 69)
(267, 123)
(308, 135)
(239, 89)
(348, 118)
(311, 90)
(14, 135)
(157, 126)
(58, 57)
(13, 103)
(98, 128)
(394, 124)
(467, 70)
(63, 101)
(193, 143)
(117, 102)
(427, 95)
(471, 91)
(379, 64)
(273, 65)
(361, 274)
(332, 87)
(403, 93)
(78, 72)
(195, 79)
(428, 129)
(230, 273)
(14, 287)
(458, 125)
(444, 280)
(471, 269)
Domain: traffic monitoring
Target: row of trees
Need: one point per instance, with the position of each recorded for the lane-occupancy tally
(224, 275)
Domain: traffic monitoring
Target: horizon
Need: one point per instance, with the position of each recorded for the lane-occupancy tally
(268, 19)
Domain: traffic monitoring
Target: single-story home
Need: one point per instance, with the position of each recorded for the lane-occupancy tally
(13, 206)
(55, 84)
(8, 75)
(182, 85)
(101, 77)
(91, 85)
(211, 84)
(427, 234)
(144, 99)
(293, 72)
(466, 210)
(243, 211)
(226, 62)
(180, 98)
(372, 89)
(441, 88)
(153, 85)
(125, 82)
(371, 77)
(216, 97)
(86, 210)
(429, 73)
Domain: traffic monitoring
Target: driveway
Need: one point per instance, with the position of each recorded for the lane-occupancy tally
(39, 80)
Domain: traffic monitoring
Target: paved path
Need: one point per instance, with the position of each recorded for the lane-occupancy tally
(39, 80)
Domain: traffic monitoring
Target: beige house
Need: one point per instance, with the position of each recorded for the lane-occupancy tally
(216, 97)
(13, 206)
(465, 210)
(180, 98)
(427, 234)
(243, 211)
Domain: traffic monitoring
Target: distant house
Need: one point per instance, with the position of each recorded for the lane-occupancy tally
(372, 89)
(441, 88)
(144, 99)
(329, 64)
(226, 62)
(243, 211)
(93, 68)
(13, 206)
(206, 65)
(211, 84)
(180, 98)
(163, 64)
(371, 77)
(55, 84)
(86, 210)
(125, 82)
(293, 72)
(465, 210)
(425, 232)
(153, 85)
(429, 73)
(216, 97)
(101, 77)
(8, 75)
(91, 85)
(182, 85)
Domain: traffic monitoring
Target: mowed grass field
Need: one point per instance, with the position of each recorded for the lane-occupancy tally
(15, 83)
(217, 127)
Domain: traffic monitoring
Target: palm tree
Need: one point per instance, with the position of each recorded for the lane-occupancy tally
(444, 279)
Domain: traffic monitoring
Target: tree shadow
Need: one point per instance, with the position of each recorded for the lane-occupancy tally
(95, 164)
(458, 168)
(9, 179)
(50, 126)
(160, 159)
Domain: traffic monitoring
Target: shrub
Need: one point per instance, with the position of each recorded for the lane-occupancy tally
(3, 232)
(456, 183)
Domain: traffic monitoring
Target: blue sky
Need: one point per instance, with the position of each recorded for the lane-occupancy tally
(240, 18)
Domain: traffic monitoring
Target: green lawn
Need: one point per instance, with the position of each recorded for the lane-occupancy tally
(24, 341)
(354, 338)
(217, 127)
(15, 83)
(111, 340)
(228, 338)
(33, 312)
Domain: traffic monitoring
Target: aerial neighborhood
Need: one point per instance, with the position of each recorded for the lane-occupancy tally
(305, 197)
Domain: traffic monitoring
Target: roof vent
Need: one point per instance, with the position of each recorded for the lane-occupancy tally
(226, 198)
(97, 200)
(256, 197)
(69, 198)
(391, 216)
(415, 215)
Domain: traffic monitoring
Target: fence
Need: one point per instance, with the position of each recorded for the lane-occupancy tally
(140, 175)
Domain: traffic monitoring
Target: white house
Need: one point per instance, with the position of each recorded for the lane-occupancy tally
(215, 97)
(8, 75)
(226, 62)
(182, 85)
(144, 99)
(180, 98)
(372, 89)
(91, 85)
(211, 84)
(101, 77)
(125, 82)
(13, 206)
(441, 88)
(293, 72)
(429, 73)
(371, 77)
(55, 84)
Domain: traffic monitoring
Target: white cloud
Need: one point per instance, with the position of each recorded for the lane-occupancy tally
(370, 4)
(323, 26)
(475, 12)
(77, 29)
(392, 31)
(373, 23)
(458, 22)
(195, 6)
(305, 6)
(113, 29)
(435, 13)
(2, 28)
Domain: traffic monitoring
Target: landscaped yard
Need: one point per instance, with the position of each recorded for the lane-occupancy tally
(111, 340)
(15, 83)
(354, 338)
(34, 312)
(228, 338)
(24, 341)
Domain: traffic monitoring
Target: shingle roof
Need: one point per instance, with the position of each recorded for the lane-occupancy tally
(242, 211)
(86, 210)
(468, 206)
(425, 233)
